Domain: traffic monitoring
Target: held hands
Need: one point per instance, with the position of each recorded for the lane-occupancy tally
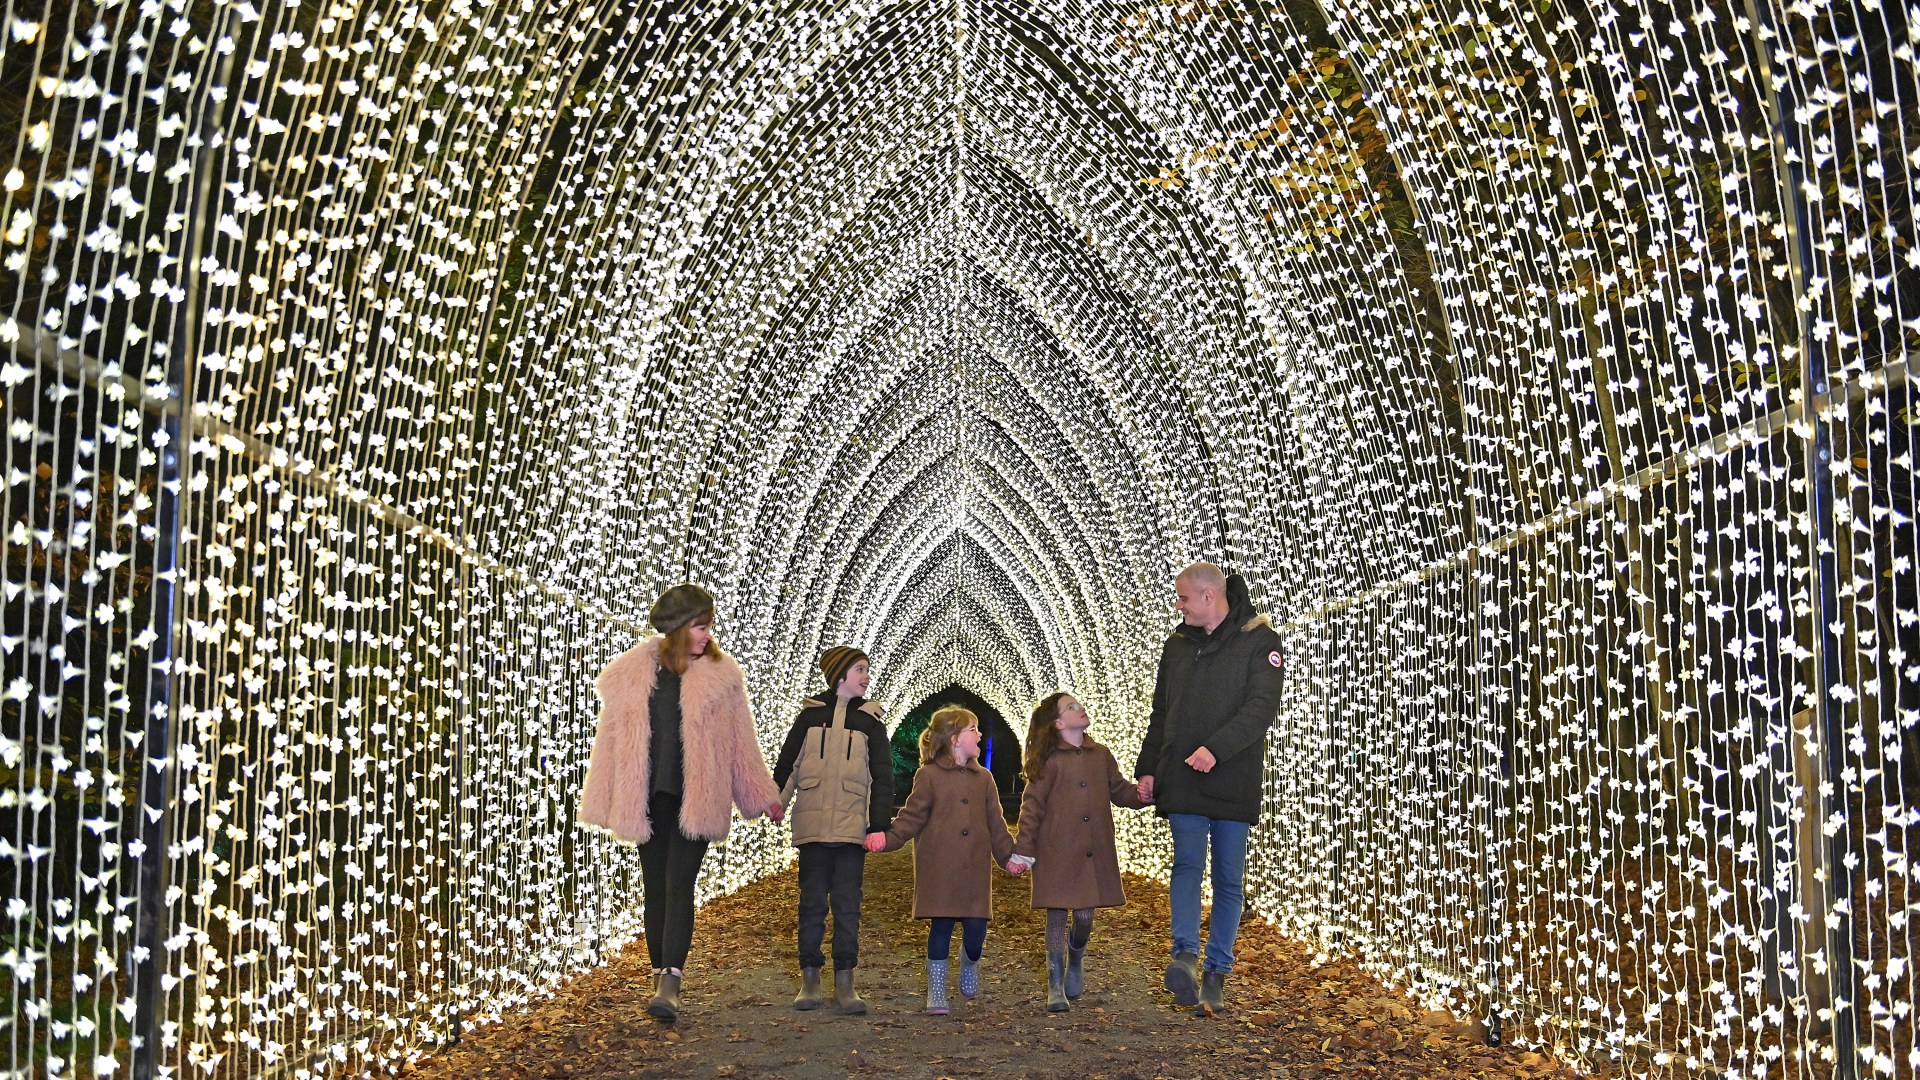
(777, 812)
(1016, 867)
(876, 841)
(1146, 789)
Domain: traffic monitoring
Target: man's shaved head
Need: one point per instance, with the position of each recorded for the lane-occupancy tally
(1204, 575)
(1200, 595)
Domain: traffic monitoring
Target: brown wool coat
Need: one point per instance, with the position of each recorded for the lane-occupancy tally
(720, 763)
(1066, 826)
(953, 818)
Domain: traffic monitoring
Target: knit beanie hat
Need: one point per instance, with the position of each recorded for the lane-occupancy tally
(837, 661)
(679, 606)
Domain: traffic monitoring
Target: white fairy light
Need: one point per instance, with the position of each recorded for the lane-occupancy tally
(1474, 334)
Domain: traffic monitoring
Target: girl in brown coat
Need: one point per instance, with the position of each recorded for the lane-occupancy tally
(675, 753)
(1066, 833)
(954, 819)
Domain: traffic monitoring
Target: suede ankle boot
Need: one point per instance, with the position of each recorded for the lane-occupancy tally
(810, 996)
(666, 997)
(844, 995)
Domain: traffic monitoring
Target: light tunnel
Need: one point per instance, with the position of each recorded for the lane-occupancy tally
(1542, 366)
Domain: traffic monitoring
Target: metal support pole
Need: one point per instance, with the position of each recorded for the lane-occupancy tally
(159, 775)
(157, 763)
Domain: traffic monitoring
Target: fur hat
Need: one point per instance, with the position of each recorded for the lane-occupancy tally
(837, 661)
(679, 606)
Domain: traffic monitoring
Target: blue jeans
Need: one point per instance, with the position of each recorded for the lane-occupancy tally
(1191, 835)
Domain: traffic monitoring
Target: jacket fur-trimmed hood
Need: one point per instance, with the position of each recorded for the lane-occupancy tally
(721, 762)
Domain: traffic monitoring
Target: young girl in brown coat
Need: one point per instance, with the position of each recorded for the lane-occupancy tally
(954, 819)
(1066, 833)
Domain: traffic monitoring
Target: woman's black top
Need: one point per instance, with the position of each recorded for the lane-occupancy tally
(663, 743)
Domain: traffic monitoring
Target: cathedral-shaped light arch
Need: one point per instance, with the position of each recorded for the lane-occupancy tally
(371, 367)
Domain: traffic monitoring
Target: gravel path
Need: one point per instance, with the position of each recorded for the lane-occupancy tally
(1288, 1016)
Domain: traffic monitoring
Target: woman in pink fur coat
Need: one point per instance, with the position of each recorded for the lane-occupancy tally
(676, 752)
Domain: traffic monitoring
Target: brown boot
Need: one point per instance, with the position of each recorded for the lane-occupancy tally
(666, 998)
(844, 995)
(809, 996)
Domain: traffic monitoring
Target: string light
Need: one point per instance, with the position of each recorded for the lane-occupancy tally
(371, 368)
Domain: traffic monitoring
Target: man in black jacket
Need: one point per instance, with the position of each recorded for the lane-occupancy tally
(1216, 695)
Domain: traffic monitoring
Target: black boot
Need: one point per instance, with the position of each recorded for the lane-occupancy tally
(666, 997)
(1183, 980)
(1213, 985)
(1057, 980)
(809, 996)
(844, 995)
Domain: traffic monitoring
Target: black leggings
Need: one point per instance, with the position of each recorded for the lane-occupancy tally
(669, 865)
(973, 938)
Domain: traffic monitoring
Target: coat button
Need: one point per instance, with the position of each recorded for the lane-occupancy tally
(964, 802)
(1084, 817)
(966, 832)
(1083, 783)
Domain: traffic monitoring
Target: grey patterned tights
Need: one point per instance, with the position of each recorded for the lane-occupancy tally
(1058, 938)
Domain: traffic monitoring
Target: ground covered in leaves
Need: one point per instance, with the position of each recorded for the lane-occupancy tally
(1287, 1017)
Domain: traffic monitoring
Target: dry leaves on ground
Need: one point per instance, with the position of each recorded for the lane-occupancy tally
(1288, 1017)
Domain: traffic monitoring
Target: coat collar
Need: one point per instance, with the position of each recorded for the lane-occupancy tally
(1237, 622)
(822, 701)
(1086, 744)
(702, 674)
(632, 673)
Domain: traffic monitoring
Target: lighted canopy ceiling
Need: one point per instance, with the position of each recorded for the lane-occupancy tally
(1543, 366)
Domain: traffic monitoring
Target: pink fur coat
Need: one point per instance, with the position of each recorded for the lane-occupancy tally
(721, 759)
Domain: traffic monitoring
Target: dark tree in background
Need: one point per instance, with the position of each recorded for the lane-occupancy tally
(1000, 747)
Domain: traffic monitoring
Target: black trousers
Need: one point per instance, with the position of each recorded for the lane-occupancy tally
(669, 864)
(831, 876)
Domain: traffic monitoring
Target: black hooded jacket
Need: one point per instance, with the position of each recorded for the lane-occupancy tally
(1220, 691)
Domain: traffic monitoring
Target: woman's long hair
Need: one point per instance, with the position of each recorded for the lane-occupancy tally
(676, 652)
(1042, 737)
(947, 721)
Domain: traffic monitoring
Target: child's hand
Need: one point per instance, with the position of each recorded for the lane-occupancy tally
(876, 841)
(776, 811)
(1016, 867)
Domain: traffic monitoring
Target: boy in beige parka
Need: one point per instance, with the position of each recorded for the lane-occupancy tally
(837, 768)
